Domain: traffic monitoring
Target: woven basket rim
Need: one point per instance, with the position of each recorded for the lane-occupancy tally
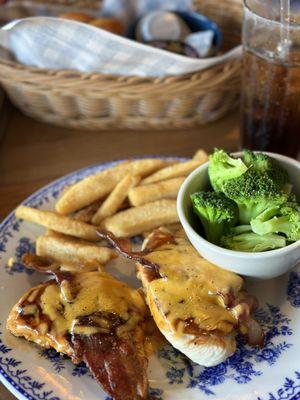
(73, 73)
(101, 86)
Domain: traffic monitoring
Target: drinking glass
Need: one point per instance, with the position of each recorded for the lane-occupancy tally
(270, 105)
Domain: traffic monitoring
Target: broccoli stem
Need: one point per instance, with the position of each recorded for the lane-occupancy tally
(274, 225)
(247, 212)
(241, 229)
(213, 231)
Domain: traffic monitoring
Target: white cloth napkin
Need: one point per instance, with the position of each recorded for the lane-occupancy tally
(49, 42)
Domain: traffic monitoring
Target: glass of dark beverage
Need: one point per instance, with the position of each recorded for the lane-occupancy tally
(270, 106)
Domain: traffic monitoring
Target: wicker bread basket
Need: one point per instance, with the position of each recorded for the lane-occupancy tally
(100, 101)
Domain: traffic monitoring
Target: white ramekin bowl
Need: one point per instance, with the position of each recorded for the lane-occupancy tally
(264, 265)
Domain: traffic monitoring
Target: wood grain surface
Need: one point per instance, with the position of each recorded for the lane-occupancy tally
(33, 154)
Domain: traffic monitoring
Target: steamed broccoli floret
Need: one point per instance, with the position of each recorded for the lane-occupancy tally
(284, 219)
(259, 161)
(263, 163)
(240, 229)
(254, 192)
(223, 167)
(216, 212)
(252, 242)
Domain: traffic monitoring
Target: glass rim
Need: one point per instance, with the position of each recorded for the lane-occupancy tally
(248, 8)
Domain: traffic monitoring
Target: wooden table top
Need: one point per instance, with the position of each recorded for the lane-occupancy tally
(33, 154)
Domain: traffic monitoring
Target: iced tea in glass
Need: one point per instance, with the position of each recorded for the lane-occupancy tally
(271, 76)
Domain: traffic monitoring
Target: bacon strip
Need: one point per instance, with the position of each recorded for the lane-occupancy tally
(45, 266)
(158, 238)
(115, 363)
(123, 246)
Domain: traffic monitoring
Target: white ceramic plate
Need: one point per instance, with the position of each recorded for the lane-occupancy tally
(271, 373)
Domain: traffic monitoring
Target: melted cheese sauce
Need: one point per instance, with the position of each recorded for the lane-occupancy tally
(154, 340)
(90, 293)
(190, 286)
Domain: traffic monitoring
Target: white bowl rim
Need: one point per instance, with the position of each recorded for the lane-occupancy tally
(239, 254)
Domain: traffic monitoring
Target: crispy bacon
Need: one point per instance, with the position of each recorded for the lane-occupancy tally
(158, 238)
(46, 266)
(116, 364)
(42, 264)
(124, 247)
